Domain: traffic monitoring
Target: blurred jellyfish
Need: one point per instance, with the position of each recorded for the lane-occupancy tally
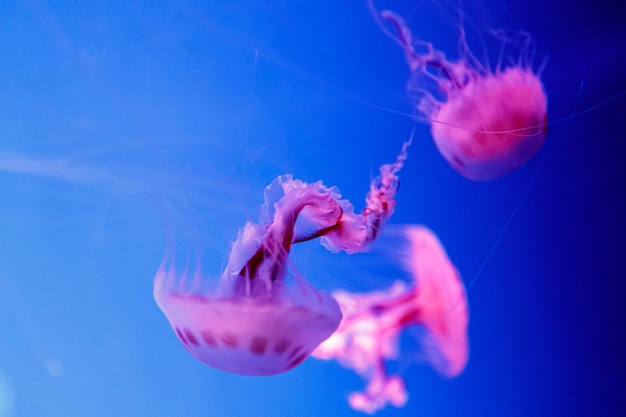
(369, 333)
(265, 318)
(489, 123)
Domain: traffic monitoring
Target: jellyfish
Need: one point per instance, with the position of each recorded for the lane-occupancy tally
(264, 318)
(369, 333)
(490, 123)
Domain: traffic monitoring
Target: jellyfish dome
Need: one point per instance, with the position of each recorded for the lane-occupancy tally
(490, 122)
(264, 318)
(233, 333)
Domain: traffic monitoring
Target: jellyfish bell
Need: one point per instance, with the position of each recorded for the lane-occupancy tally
(492, 126)
(489, 123)
(441, 295)
(248, 335)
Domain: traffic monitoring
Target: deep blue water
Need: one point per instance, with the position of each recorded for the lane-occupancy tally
(117, 119)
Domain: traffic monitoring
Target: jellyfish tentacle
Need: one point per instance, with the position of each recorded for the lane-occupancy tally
(416, 61)
(380, 203)
(267, 247)
(269, 261)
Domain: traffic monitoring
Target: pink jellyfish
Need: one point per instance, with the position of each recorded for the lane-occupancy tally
(490, 123)
(372, 323)
(265, 318)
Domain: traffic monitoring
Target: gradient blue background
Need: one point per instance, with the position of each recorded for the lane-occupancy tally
(117, 116)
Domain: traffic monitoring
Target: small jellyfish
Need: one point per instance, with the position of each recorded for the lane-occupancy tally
(265, 318)
(369, 333)
(490, 122)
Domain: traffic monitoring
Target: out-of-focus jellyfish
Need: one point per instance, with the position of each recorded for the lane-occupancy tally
(369, 333)
(265, 318)
(490, 122)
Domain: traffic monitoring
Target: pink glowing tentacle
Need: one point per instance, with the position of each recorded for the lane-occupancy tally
(381, 389)
(380, 202)
(262, 250)
(366, 338)
(354, 232)
(432, 58)
(404, 38)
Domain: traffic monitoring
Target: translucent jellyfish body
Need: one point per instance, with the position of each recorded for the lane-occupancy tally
(265, 318)
(490, 123)
(369, 333)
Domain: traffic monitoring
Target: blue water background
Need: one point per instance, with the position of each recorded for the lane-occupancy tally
(118, 119)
